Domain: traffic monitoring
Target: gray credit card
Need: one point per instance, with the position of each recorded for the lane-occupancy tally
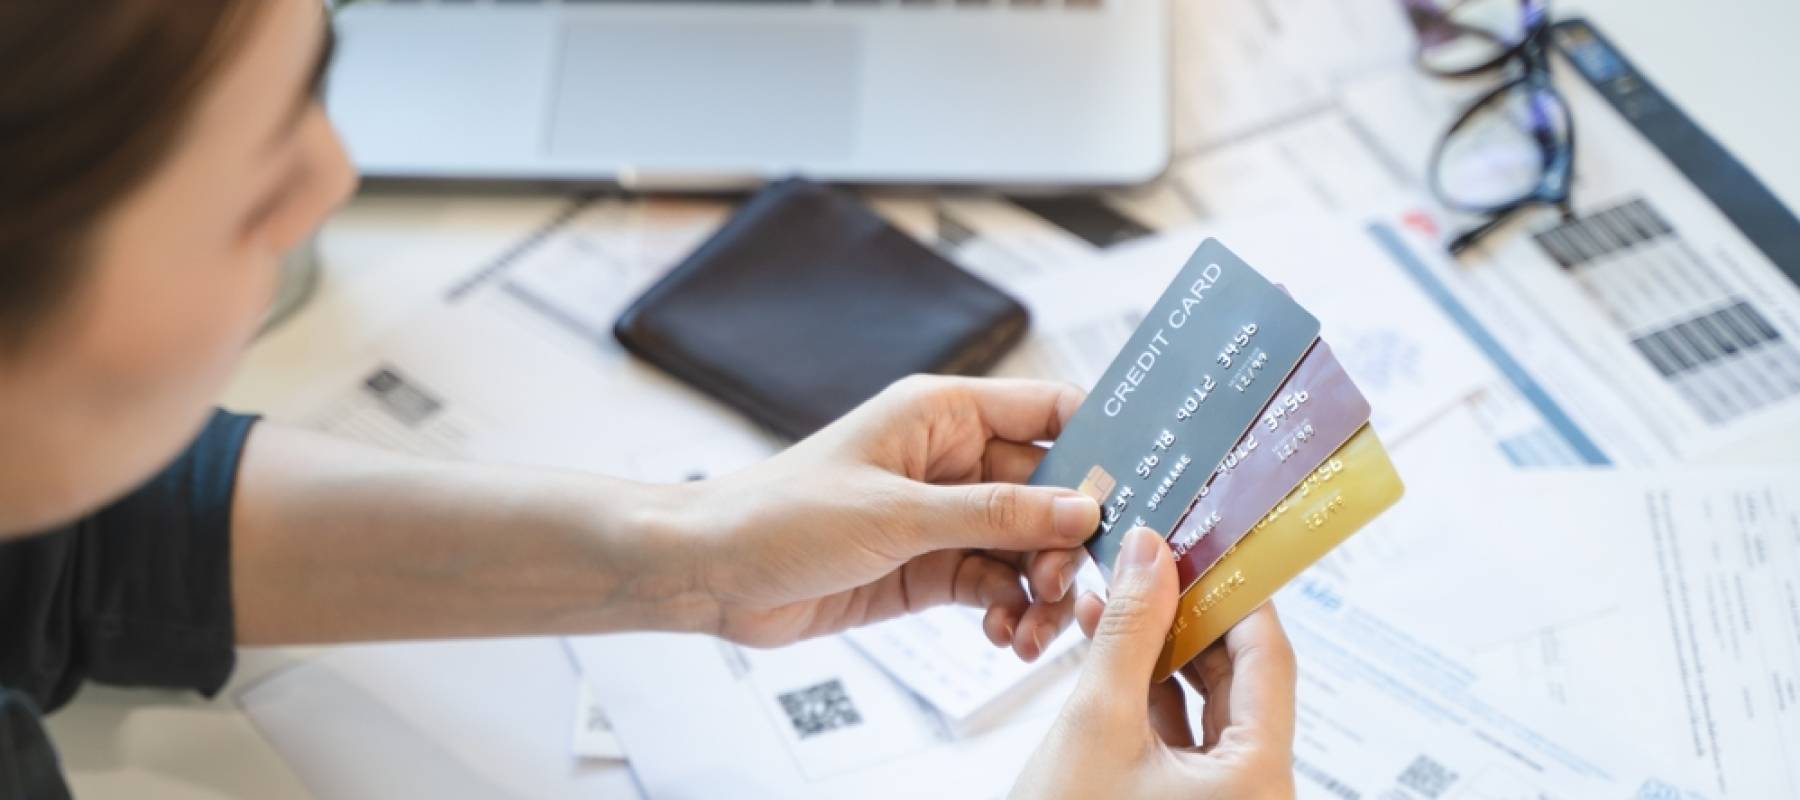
(1185, 388)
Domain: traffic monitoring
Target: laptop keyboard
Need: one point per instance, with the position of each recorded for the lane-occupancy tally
(917, 4)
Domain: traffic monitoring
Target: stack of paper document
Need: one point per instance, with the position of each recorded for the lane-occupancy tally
(1382, 713)
(1663, 605)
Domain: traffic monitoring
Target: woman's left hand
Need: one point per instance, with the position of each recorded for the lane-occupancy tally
(910, 501)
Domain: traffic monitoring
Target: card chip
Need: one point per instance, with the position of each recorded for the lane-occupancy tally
(1098, 484)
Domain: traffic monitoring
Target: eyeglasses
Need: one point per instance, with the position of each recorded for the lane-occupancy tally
(1513, 148)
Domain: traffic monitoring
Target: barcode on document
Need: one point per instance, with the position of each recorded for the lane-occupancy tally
(820, 709)
(1604, 233)
(1705, 337)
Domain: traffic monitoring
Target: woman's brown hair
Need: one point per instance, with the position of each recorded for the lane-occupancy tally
(93, 95)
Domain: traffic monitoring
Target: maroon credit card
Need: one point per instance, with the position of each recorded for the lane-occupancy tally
(1314, 412)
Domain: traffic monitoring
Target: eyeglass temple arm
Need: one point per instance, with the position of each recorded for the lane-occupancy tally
(1468, 238)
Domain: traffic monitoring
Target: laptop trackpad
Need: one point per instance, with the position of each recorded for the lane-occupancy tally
(645, 93)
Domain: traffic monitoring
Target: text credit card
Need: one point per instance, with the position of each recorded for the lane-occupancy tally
(1185, 388)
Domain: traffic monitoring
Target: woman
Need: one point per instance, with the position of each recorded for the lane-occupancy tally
(155, 163)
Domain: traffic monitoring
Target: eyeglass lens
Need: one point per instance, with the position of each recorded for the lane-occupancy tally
(1503, 149)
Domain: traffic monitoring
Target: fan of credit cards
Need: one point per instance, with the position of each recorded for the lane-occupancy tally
(1227, 426)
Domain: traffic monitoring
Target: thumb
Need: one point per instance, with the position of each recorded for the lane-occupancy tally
(1140, 606)
(1006, 516)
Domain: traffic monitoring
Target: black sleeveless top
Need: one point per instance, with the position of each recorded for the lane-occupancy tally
(138, 594)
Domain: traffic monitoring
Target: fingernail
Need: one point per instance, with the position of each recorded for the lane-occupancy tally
(1037, 638)
(1006, 625)
(1141, 546)
(1066, 579)
(1075, 516)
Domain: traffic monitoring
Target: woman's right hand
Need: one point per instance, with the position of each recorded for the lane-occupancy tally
(1110, 742)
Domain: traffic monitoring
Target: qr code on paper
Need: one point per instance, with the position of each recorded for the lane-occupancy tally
(819, 709)
(1427, 777)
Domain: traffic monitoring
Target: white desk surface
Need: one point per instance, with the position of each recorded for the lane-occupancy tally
(1727, 64)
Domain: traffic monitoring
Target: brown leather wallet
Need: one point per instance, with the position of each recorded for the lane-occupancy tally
(806, 303)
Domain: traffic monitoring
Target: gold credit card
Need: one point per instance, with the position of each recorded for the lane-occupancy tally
(1341, 495)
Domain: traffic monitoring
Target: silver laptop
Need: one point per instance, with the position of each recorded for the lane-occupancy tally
(691, 94)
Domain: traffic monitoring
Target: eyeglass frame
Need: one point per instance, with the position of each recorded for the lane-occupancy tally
(1558, 153)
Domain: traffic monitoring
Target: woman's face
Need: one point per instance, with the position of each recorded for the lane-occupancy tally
(180, 274)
